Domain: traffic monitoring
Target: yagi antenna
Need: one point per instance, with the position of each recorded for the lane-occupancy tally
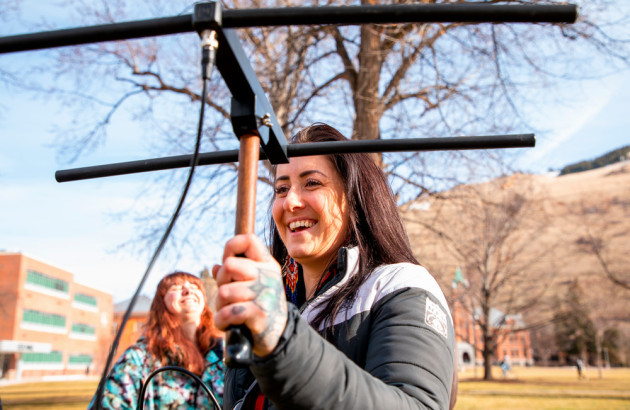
(253, 119)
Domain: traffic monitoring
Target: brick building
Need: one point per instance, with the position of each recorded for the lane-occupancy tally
(135, 323)
(49, 324)
(512, 342)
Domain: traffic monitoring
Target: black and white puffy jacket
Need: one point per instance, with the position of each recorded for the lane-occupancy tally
(392, 348)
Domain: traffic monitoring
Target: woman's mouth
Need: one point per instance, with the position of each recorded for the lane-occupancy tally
(297, 226)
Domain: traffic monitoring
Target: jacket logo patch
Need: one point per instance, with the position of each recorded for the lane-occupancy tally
(436, 318)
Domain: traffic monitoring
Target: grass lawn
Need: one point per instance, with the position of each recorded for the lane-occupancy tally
(545, 388)
(71, 395)
(525, 388)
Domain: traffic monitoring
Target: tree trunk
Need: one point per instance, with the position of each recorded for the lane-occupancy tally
(366, 97)
(487, 357)
(367, 103)
(598, 348)
(488, 345)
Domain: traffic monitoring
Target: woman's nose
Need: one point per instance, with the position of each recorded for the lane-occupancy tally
(185, 289)
(293, 200)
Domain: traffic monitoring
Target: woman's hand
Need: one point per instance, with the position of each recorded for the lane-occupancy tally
(251, 292)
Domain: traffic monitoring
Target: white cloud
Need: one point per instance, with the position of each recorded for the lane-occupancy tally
(565, 122)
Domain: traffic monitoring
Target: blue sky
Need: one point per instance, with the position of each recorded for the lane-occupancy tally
(594, 124)
(70, 225)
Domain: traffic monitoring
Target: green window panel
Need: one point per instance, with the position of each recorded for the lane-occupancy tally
(52, 357)
(42, 318)
(83, 328)
(80, 359)
(37, 278)
(85, 299)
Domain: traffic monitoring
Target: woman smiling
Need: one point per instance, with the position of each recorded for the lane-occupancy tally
(179, 332)
(365, 327)
(311, 215)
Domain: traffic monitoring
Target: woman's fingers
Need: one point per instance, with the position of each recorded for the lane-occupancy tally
(235, 292)
(251, 292)
(231, 315)
(259, 304)
(235, 269)
(248, 245)
(247, 281)
(269, 317)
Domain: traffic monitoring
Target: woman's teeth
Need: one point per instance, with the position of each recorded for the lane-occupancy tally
(293, 226)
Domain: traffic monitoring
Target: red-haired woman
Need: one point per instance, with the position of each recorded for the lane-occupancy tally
(179, 332)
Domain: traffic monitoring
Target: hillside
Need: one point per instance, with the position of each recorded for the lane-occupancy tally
(618, 155)
(533, 235)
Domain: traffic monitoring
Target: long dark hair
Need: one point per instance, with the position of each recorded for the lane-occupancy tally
(375, 227)
(164, 335)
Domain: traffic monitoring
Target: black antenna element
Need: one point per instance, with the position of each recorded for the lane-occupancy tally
(342, 15)
(301, 150)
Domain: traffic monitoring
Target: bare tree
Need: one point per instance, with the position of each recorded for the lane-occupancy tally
(603, 235)
(373, 81)
(495, 232)
(601, 232)
(9, 9)
(582, 323)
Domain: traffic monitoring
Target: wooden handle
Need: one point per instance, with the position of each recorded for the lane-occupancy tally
(238, 339)
(248, 157)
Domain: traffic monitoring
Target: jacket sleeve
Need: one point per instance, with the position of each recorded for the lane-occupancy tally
(409, 361)
(122, 386)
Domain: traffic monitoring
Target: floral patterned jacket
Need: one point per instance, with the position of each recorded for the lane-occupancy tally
(167, 390)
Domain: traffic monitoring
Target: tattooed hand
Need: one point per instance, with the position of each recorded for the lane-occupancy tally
(251, 292)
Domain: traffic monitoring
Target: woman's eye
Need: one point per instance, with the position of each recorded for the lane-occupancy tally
(281, 190)
(312, 182)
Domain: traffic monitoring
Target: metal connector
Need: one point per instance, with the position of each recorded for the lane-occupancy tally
(209, 39)
(209, 45)
(264, 120)
(207, 15)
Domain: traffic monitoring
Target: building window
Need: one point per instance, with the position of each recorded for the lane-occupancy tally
(52, 357)
(43, 322)
(80, 359)
(83, 328)
(85, 299)
(85, 302)
(83, 331)
(46, 281)
(42, 361)
(49, 285)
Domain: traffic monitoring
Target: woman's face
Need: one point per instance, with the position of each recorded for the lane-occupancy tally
(185, 300)
(310, 209)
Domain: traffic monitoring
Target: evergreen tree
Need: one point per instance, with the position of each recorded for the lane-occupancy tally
(575, 331)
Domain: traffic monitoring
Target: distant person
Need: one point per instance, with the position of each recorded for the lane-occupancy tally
(579, 365)
(180, 332)
(506, 366)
